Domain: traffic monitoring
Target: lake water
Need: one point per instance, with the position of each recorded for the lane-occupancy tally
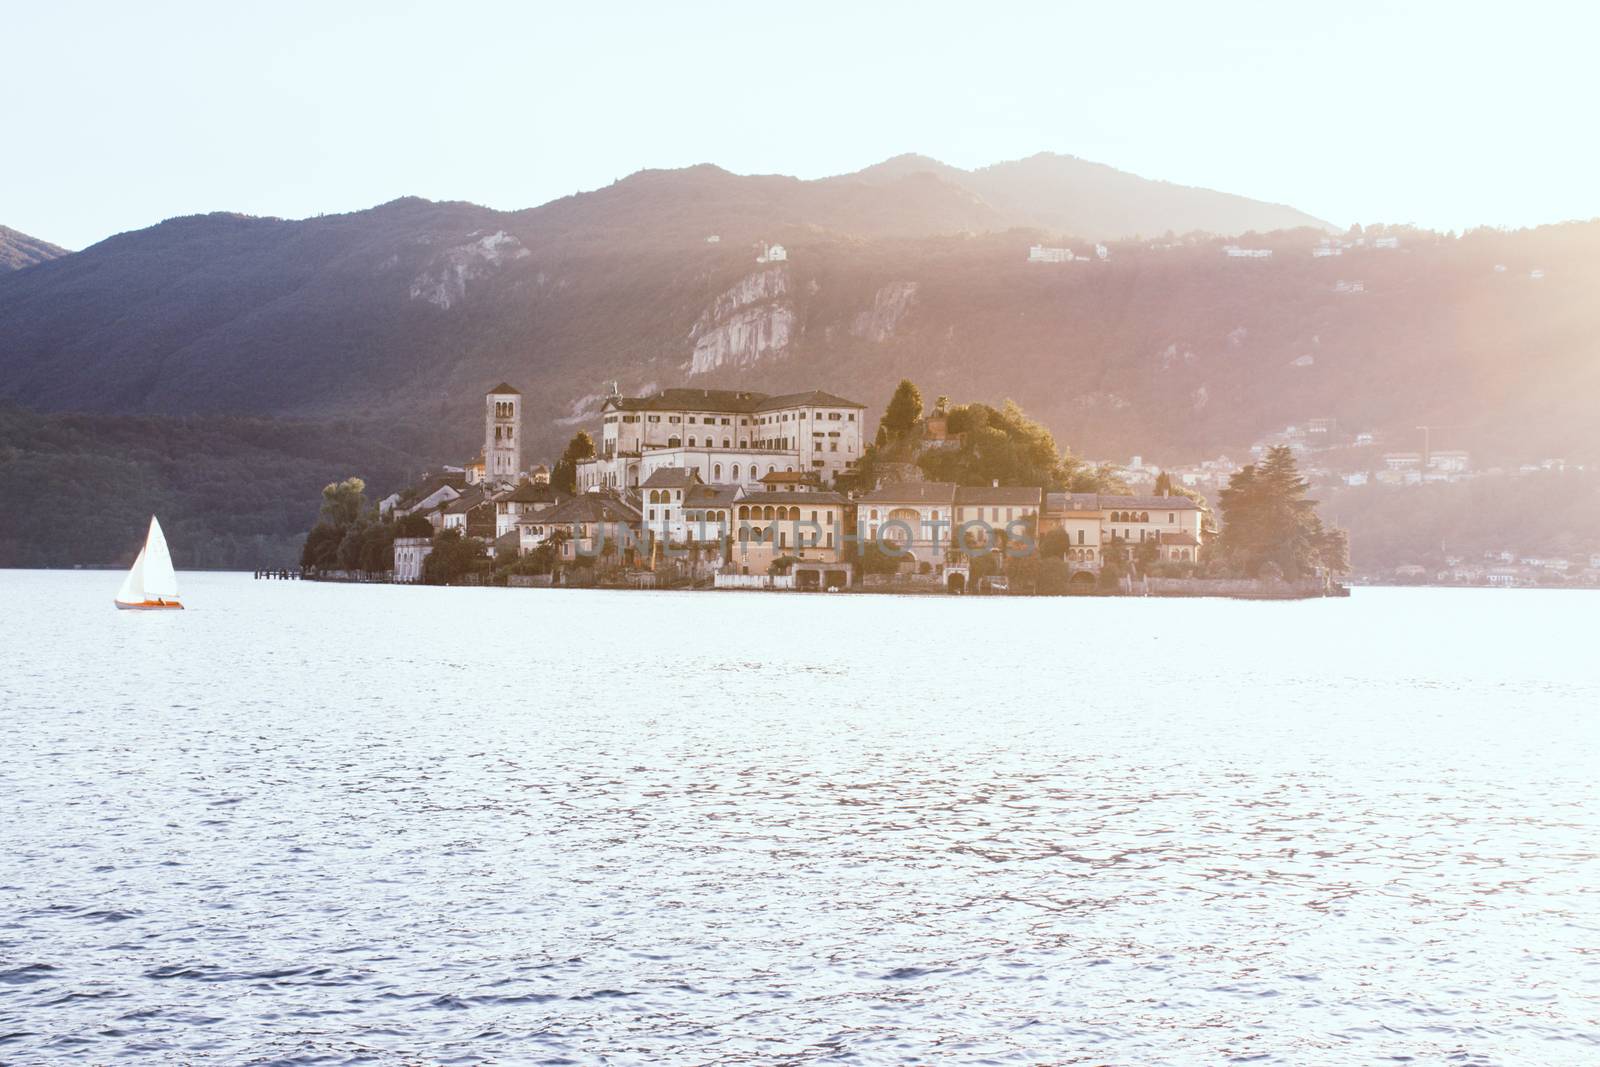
(339, 824)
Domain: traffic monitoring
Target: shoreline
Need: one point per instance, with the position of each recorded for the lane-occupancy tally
(1347, 583)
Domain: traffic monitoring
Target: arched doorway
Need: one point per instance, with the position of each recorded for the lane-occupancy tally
(956, 583)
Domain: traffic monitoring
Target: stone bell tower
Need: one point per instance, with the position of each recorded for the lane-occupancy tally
(502, 434)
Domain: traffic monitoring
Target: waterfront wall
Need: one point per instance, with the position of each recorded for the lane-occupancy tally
(755, 581)
(1235, 587)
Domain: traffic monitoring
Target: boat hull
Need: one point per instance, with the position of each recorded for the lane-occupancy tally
(149, 605)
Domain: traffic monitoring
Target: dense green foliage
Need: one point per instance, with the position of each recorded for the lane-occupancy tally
(453, 557)
(1271, 528)
(235, 493)
(564, 475)
(349, 536)
(984, 445)
(904, 409)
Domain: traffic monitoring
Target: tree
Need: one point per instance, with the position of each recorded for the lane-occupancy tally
(1333, 549)
(343, 502)
(1055, 577)
(564, 477)
(873, 559)
(349, 552)
(1268, 520)
(377, 548)
(904, 409)
(547, 553)
(413, 525)
(321, 548)
(452, 557)
(997, 445)
(1023, 573)
(1054, 545)
(1077, 477)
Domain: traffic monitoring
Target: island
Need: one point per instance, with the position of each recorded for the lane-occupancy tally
(688, 488)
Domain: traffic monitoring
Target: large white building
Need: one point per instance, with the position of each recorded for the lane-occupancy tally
(726, 436)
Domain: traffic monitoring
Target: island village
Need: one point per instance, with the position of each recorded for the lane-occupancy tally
(735, 489)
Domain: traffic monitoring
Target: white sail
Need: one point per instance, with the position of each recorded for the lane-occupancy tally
(132, 591)
(160, 580)
(152, 581)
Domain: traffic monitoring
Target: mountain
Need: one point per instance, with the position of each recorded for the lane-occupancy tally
(1074, 196)
(18, 250)
(398, 317)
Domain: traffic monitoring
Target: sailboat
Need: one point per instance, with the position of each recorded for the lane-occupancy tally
(152, 583)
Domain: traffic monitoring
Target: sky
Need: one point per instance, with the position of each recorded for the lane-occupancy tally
(1446, 115)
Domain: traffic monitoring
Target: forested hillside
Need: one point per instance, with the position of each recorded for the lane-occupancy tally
(18, 250)
(398, 317)
(232, 492)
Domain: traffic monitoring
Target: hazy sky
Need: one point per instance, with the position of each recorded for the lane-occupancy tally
(116, 115)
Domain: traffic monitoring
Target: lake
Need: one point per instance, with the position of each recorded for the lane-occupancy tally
(342, 824)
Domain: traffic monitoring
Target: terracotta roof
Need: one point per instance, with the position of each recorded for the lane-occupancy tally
(456, 480)
(503, 390)
(711, 496)
(671, 478)
(591, 507)
(1174, 502)
(1026, 495)
(529, 493)
(466, 502)
(913, 492)
(1117, 502)
(727, 400)
(816, 398)
(799, 500)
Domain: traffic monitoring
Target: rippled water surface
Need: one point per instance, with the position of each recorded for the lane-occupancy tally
(320, 823)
